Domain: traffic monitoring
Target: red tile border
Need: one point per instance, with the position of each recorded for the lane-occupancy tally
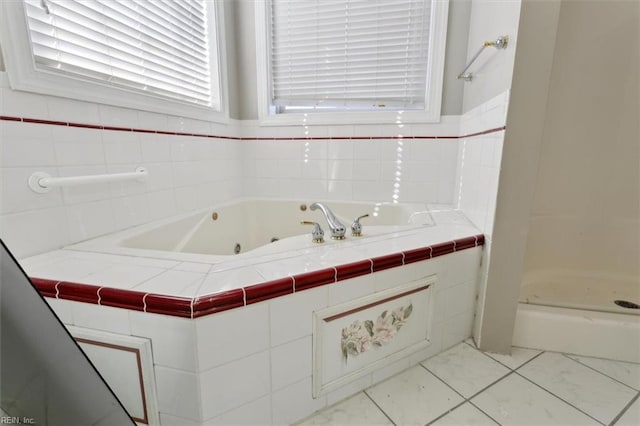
(8, 118)
(353, 270)
(119, 298)
(416, 255)
(45, 287)
(441, 249)
(253, 138)
(464, 243)
(218, 302)
(313, 279)
(268, 290)
(387, 261)
(169, 305)
(79, 292)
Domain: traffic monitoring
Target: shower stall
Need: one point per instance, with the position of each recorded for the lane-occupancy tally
(581, 283)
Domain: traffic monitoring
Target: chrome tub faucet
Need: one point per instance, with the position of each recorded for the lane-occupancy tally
(337, 228)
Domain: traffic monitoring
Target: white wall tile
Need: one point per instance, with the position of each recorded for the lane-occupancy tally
(36, 231)
(295, 402)
(254, 413)
(118, 117)
(178, 393)
(25, 144)
(61, 109)
(231, 335)
(291, 316)
(107, 318)
(83, 193)
(76, 146)
(62, 309)
(88, 220)
(23, 104)
(121, 147)
(234, 384)
(291, 362)
(173, 339)
(17, 195)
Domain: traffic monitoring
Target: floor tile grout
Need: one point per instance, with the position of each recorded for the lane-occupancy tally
(561, 399)
(379, 408)
(625, 409)
(598, 371)
(510, 372)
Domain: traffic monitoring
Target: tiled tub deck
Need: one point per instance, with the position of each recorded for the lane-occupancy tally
(236, 337)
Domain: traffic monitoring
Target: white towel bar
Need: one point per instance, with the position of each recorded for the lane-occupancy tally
(42, 182)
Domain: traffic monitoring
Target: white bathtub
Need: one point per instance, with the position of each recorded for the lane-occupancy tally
(575, 312)
(257, 227)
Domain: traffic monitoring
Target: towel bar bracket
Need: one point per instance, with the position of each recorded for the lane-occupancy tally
(499, 43)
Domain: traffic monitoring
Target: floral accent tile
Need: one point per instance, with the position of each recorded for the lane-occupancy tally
(361, 336)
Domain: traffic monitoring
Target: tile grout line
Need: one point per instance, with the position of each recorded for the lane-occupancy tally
(379, 408)
(598, 371)
(465, 399)
(624, 410)
(556, 396)
(511, 371)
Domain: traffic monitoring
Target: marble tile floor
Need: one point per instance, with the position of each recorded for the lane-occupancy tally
(464, 386)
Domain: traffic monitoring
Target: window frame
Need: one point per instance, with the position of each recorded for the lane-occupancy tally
(25, 76)
(435, 79)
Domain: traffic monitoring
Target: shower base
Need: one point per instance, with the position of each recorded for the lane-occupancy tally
(591, 292)
(570, 312)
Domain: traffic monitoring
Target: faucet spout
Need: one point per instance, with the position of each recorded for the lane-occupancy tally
(337, 228)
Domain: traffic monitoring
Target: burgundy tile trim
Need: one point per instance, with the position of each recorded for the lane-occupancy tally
(86, 126)
(118, 129)
(218, 302)
(465, 243)
(119, 298)
(169, 305)
(38, 121)
(9, 118)
(442, 248)
(268, 290)
(45, 286)
(485, 132)
(416, 255)
(79, 292)
(202, 135)
(352, 270)
(313, 279)
(387, 261)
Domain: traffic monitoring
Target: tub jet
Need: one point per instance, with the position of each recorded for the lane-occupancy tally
(237, 248)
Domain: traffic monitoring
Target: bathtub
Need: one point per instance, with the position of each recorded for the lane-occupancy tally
(214, 317)
(254, 227)
(575, 312)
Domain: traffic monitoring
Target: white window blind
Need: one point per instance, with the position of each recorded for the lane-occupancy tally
(349, 54)
(156, 47)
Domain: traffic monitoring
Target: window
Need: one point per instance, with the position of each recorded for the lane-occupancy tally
(156, 55)
(374, 58)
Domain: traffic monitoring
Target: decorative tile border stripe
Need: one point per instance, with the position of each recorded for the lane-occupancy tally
(213, 303)
(239, 138)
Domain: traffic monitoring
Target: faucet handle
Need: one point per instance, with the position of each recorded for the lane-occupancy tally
(356, 227)
(317, 233)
